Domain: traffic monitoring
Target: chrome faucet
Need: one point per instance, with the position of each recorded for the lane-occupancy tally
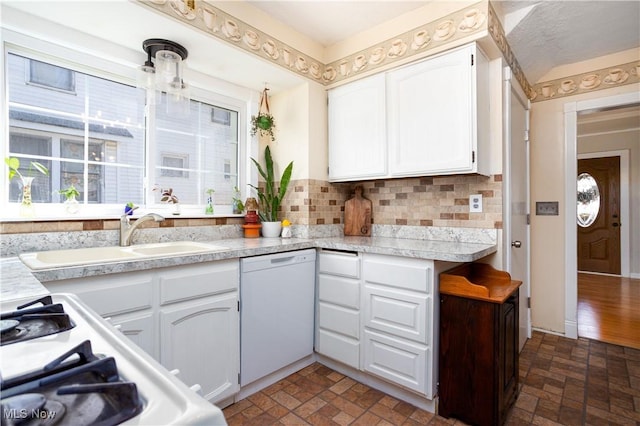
(126, 228)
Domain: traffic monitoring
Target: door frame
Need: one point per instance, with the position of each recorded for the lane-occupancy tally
(625, 229)
(571, 111)
(511, 85)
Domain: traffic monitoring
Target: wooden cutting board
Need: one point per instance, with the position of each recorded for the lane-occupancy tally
(357, 215)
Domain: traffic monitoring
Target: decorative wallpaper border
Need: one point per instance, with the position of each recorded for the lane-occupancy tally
(215, 22)
(471, 21)
(496, 31)
(591, 81)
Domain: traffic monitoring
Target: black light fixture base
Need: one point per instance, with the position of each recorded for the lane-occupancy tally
(153, 45)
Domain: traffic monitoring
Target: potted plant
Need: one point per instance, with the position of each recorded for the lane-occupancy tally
(167, 196)
(26, 206)
(271, 197)
(70, 194)
(209, 208)
(263, 122)
(238, 206)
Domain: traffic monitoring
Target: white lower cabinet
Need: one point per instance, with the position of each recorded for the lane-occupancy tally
(399, 321)
(182, 346)
(338, 307)
(186, 317)
(398, 360)
(376, 314)
(140, 328)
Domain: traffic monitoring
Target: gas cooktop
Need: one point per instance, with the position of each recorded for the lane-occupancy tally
(61, 364)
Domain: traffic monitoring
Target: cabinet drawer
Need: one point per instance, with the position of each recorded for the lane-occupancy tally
(345, 264)
(114, 300)
(189, 282)
(412, 274)
(399, 361)
(398, 312)
(339, 347)
(339, 290)
(339, 319)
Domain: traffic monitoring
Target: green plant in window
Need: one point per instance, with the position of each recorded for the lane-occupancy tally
(238, 205)
(14, 164)
(209, 208)
(69, 193)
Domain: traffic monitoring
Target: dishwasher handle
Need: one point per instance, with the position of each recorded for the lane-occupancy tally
(282, 260)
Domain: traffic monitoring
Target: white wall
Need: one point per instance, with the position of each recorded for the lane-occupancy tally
(547, 184)
(301, 136)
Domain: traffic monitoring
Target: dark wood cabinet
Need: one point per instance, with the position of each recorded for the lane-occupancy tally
(478, 345)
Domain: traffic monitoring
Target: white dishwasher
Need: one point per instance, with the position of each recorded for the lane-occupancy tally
(276, 314)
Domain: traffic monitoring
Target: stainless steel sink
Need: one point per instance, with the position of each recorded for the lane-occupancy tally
(97, 255)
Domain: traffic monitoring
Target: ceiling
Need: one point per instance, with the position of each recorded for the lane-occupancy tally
(542, 34)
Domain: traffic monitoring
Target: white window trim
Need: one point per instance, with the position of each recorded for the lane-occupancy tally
(73, 50)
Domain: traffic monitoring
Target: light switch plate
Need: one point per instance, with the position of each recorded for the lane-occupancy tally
(547, 208)
(475, 203)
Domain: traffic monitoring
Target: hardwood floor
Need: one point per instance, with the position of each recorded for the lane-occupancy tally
(609, 309)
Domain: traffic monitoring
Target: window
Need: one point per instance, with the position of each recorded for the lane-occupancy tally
(221, 116)
(588, 200)
(93, 133)
(174, 165)
(47, 75)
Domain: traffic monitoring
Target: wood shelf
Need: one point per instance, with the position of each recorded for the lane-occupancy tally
(478, 281)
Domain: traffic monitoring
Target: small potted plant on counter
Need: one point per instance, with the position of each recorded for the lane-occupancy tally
(271, 197)
(71, 205)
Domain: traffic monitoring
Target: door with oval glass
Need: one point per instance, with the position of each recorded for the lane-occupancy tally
(599, 215)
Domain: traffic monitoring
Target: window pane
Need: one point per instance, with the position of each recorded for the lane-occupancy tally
(102, 154)
(197, 153)
(588, 200)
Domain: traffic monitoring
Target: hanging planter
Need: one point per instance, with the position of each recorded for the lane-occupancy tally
(263, 122)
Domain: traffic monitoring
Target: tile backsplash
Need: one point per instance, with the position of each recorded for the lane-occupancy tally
(441, 201)
(315, 208)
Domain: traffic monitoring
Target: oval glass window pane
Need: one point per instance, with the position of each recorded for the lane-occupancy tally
(588, 200)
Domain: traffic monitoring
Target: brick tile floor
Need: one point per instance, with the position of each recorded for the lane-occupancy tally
(562, 382)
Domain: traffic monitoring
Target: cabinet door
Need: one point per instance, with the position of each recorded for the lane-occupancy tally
(201, 339)
(398, 312)
(357, 130)
(431, 115)
(140, 329)
(399, 361)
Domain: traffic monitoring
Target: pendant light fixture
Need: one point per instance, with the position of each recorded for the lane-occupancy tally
(163, 73)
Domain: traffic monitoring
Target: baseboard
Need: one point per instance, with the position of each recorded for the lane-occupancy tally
(569, 328)
(635, 276)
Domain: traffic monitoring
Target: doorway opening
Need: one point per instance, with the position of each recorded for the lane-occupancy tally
(602, 272)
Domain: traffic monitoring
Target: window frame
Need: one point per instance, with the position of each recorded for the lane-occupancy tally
(122, 71)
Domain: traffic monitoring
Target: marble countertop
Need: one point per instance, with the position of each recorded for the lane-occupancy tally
(449, 251)
(16, 280)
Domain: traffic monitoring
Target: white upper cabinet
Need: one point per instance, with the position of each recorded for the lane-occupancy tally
(432, 112)
(357, 130)
(436, 117)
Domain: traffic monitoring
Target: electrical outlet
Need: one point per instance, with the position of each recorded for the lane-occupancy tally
(475, 203)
